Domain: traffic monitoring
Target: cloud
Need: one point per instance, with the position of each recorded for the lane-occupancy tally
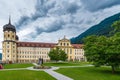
(24, 20)
(49, 16)
(46, 24)
(41, 10)
(96, 5)
(44, 8)
(54, 16)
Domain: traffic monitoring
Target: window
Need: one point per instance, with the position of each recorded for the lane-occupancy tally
(68, 44)
(61, 44)
(8, 35)
(7, 46)
(12, 36)
(8, 51)
(64, 44)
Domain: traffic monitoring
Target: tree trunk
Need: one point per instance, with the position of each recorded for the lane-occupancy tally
(113, 69)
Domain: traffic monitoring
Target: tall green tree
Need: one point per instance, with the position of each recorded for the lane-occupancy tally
(57, 54)
(113, 51)
(102, 50)
(95, 47)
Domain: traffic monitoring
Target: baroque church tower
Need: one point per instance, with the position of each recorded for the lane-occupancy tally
(9, 46)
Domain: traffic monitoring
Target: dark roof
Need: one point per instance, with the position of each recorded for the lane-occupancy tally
(9, 27)
(36, 44)
(46, 45)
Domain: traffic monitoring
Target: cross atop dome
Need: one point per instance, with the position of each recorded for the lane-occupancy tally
(9, 19)
(64, 37)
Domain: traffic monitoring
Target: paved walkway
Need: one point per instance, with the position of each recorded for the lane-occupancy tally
(58, 76)
(75, 66)
(51, 72)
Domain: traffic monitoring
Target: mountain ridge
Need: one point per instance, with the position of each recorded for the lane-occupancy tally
(102, 28)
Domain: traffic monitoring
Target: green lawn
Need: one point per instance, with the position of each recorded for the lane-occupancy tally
(9, 66)
(25, 75)
(66, 63)
(90, 73)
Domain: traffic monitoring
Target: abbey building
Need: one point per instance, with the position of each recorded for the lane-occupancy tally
(15, 51)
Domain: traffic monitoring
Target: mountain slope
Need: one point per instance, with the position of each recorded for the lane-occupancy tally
(103, 28)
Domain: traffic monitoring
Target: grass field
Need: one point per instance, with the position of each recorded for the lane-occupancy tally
(25, 75)
(65, 64)
(90, 73)
(10, 66)
(77, 73)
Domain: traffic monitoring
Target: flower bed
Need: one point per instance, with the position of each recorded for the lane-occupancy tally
(41, 67)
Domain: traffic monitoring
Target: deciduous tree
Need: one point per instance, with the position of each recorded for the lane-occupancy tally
(57, 54)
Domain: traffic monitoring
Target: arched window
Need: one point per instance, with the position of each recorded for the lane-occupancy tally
(8, 35)
(67, 44)
(64, 44)
(12, 36)
(61, 44)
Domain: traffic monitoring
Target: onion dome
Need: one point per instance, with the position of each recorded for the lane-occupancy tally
(9, 27)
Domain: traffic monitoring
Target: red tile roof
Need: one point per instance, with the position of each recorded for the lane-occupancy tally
(35, 44)
(46, 45)
(77, 45)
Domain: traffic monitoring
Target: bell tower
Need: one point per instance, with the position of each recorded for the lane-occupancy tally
(9, 43)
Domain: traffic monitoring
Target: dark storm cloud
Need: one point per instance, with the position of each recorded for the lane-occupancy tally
(72, 8)
(42, 8)
(95, 5)
(64, 8)
(40, 11)
(53, 27)
(57, 25)
(23, 21)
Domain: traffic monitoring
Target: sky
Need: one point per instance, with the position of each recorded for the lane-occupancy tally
(50, 20)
